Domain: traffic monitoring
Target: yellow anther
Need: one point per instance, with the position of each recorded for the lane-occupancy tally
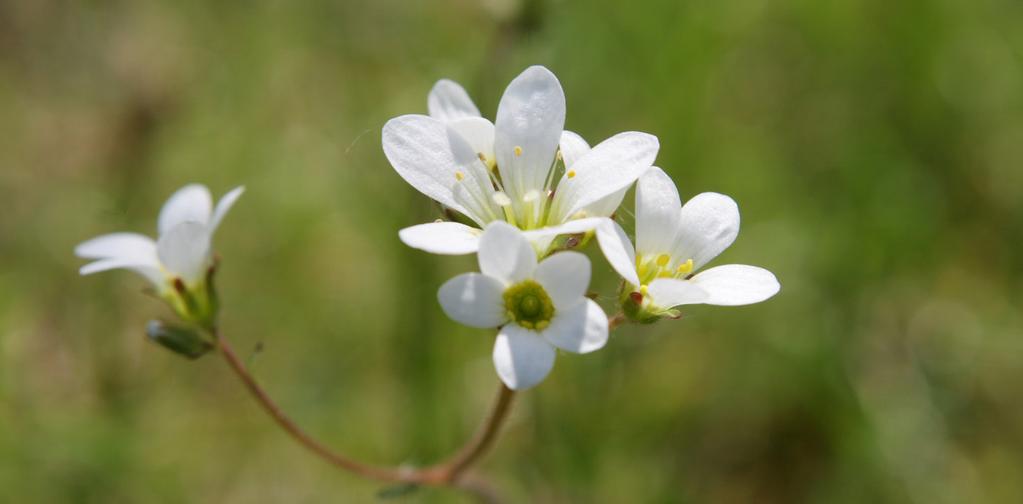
(571, 173)
(481, 156)
(643, 289)
(518, 150)
(685, 267)
(663, 259)
(459, 176)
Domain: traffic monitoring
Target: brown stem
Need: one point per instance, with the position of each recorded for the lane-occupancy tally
(296, 432)
(449, 473)
(443, 474)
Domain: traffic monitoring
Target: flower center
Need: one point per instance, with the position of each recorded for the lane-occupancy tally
(529, 305)
(651, 267)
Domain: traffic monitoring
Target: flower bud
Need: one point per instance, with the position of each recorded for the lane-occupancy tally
(181, 340)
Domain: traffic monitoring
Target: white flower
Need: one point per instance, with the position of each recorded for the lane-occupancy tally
(182, 252)
(675, 241)
(508, 171)
(537, 306)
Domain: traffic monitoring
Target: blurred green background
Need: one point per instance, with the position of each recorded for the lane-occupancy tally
(875, 149)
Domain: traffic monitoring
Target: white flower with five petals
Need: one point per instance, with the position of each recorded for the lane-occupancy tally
(538, 307)
(182, 255)
(508, 171)
(673, 242)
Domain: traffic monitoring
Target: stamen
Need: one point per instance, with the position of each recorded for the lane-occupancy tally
(459, 176)
(501, 199)
(518, 150)
(571, 173)
(482, 157)
(531, 196)
(685, 267)
(663, 259)
(643, 289)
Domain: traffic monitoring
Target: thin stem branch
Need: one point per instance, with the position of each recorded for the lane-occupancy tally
(451, 473)
(296, 432)
(442, 474)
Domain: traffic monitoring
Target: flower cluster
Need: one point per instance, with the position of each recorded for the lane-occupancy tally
(520, 193)
(514, 188)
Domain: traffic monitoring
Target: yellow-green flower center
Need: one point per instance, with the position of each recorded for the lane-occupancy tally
(529, 305)
(653, 266)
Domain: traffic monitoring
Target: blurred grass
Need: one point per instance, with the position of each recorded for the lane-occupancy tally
(875, 149)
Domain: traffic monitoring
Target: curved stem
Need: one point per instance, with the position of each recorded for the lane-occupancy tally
(296, 432)
(449, 473)
(446, 473)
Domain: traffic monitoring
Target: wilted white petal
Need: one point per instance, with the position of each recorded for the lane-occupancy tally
(565, 276)
(658, 210)
(529, 122)
(190, 203)
(506, 254)
(708, 224)
(184, 251)
(618, 251)
(522, 357)
(473, 299)
(581, 329)
(572, 147)
(448, 101)
(611, 166)
(669, 292)
(118, 246)
(429, 156)
(736, 284)
(223, 206)
(479, 134)
(449, 238)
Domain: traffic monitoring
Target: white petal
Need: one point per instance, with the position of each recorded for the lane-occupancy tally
(708, 224)
(737, 284)
(580, 329)
(606, 206)
(223, 206)
(448, 101)
(428, 155)
(449, 238)
(474, 300)
(658, 210)
(572, 147)
(611, 166)
(571, 227)
(190, 203)
(530, 119)
(118, 245)
(565, 276)
(522, 357)
(668, 292)
(618, 251)
(150, 271)
(184, 251)
(506, 254)
(479, 134)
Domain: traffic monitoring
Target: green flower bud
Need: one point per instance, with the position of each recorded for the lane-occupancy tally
(181, 340)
